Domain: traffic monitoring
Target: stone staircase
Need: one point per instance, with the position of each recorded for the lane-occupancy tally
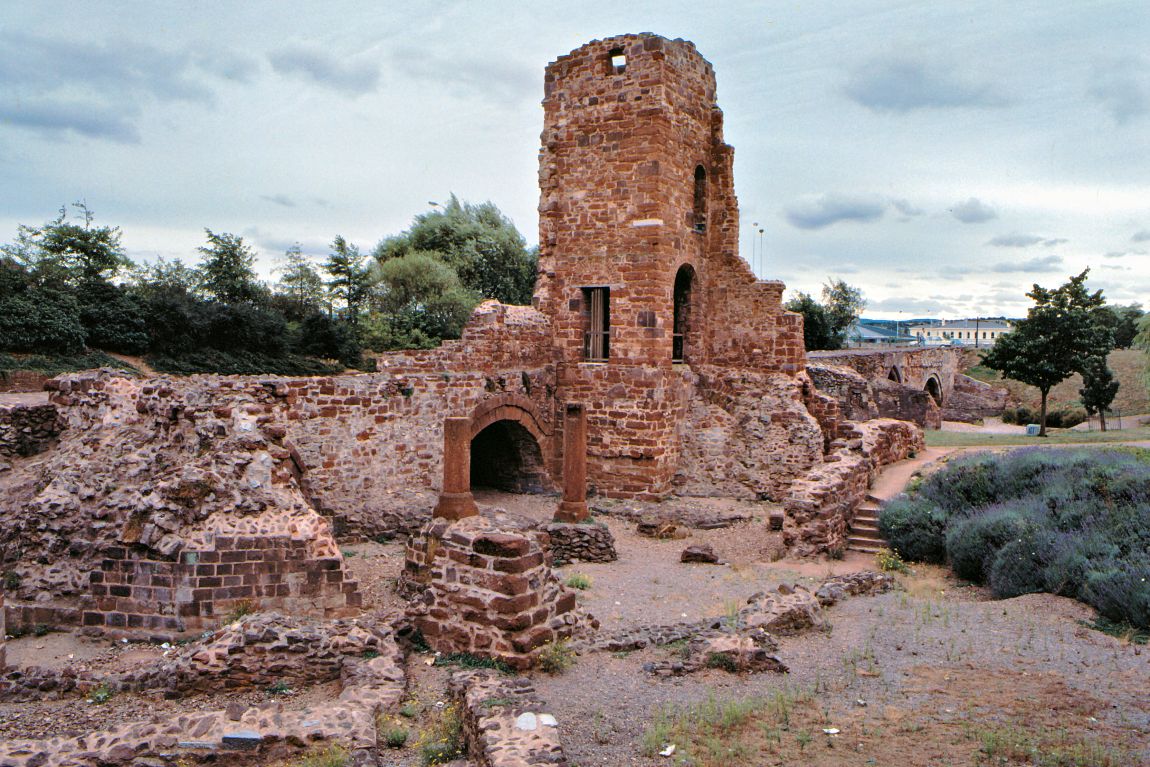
(864, 535)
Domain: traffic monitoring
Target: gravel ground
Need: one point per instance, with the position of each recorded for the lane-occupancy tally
(913, 677)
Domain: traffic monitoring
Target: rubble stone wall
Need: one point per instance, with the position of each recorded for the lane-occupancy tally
(972, 400)
(27, 429)
(821, 504)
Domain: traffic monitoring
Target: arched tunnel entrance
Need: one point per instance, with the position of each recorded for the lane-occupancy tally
(506, 456)
(934, 389)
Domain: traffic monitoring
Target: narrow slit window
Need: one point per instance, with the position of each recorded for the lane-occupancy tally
(597, 337)
(617, 62)
(699, 216)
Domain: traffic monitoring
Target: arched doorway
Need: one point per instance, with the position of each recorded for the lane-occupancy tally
(506, 456)
(934, 389)
(682, 336)
(894, 375)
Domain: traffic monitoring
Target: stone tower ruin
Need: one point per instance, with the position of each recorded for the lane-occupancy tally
(639, 267)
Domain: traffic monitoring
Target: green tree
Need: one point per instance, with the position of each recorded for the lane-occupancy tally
(227, 273)
(1098, 388)
(1125, 324)
(420, 301)
(478, 242)
(825, 324)
(351, 279)
(300, 283)
(67, 251)
(1058, 337)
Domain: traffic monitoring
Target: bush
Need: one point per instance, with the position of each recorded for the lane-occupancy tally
(40, 320)
(915, 528)
(1073, 522)
(1019, 567)
(1121, 592)
(113, 319)
(971, 544)
(556, 657)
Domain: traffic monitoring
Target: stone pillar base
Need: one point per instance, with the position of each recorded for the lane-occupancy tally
(572, 511)
(456, 506)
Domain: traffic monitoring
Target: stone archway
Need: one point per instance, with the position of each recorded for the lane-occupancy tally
(895, 374)
(934, 389)
(505, 456)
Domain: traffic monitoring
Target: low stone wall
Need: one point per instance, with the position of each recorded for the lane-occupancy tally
(489, 591)
(252, 653)
(822, 503)
(369, 685)
(503, 721)
(237, 572)
(27, 429)
(579, 542)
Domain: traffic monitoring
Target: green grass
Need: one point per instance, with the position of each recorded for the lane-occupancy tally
(55, 364)
(578, 581)
(1054, 437)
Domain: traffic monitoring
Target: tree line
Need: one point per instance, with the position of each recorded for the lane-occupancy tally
(67, 285)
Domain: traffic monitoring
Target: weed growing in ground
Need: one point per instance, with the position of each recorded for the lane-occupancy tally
(578, 581)
(1120, 630)
(467, 660)
(332, 756)
(556, 657)
(1045, 748)
(890, 562)
(101, 694)
(721, 661)
(395, 737)
(239, 610)
(442, 740)
(279, 688)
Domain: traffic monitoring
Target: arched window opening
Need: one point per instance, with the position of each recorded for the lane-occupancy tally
(894, 375)
(699, 216)
(505, 456)
(681, 333)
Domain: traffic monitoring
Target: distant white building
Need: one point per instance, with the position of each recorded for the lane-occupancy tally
(976, 333)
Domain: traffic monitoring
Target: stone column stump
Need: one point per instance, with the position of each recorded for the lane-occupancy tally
(488, 591)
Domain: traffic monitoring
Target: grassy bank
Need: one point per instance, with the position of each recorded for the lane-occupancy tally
(1054, 437)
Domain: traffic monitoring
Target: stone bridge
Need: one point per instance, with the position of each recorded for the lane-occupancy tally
(932, 370)
(925, 385)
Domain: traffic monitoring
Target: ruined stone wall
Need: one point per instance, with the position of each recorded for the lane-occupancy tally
(747, 434)
(972, 400)
(22, 380)
(820, 505)
(26, 429)
(149, 477)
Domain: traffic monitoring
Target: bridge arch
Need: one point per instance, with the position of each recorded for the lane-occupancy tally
(933, 387)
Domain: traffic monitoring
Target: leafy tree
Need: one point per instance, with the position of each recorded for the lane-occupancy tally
(1098, 388)
(227, 273)
(1125, 324)
(113, 318)
(300, 284)
(478, 242)
(321, 336)
(1058, 337)
(66, 251)
(825, 324)
(163, 276)
(36, 317)
(420, 301)
(350, 280)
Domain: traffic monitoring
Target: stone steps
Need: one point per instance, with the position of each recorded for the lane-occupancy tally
(864, 534)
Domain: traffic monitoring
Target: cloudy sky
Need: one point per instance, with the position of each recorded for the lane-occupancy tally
(943, 156)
